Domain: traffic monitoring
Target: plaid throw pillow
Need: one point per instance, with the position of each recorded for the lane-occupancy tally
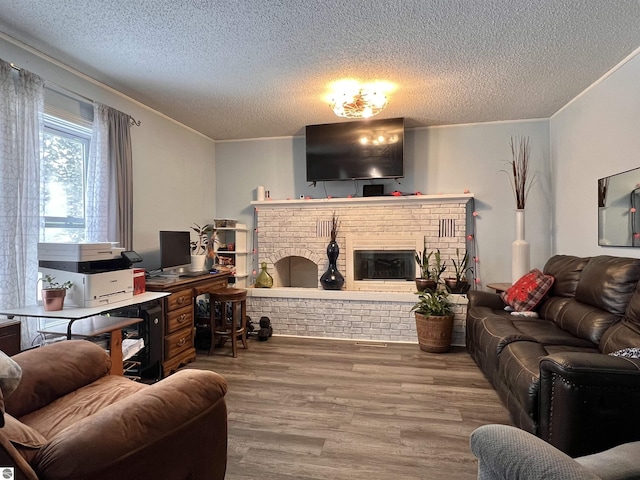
(528, 291)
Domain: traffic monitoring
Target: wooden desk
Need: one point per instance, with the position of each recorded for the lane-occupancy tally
(94, 326)
(179, 328)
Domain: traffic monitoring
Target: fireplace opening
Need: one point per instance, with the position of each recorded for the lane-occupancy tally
(294, 271)
(385, 265)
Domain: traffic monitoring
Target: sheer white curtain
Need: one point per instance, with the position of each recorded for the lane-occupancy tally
(21, 107)
(100, 195)
(109, 194)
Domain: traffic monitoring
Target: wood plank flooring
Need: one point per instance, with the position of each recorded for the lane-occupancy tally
(310, 409)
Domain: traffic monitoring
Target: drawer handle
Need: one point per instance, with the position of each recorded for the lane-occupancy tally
(182, 318)
(182, 341)
(180, 300)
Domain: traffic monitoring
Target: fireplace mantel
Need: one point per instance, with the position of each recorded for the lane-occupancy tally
(363, 201)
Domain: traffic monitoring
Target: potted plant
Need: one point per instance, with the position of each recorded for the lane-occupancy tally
(424, 281)
(459, 283)
(199, 246)
(434, 321)
(53, 293)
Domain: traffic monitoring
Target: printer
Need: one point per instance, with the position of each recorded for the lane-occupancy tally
(99, 272)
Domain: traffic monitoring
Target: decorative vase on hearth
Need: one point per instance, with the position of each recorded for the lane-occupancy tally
(332, 279)
(264, 280)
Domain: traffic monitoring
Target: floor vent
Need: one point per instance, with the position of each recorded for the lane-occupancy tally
(376, 345)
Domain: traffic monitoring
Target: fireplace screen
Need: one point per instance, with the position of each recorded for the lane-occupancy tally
(384, 265)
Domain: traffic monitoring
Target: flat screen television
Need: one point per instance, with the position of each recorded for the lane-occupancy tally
(359, 150)
(175, 249)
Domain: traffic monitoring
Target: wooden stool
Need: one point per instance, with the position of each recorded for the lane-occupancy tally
(229, 327)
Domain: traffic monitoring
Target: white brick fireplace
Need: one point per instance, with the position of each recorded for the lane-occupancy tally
(292, 237)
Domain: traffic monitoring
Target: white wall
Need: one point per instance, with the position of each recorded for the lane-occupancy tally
(437, 160)
(594, 136)
(173, 166)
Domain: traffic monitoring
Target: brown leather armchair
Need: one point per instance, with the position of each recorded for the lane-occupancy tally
(69, 419)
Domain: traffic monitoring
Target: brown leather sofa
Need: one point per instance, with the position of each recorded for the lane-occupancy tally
(553, 373)
(69, 419)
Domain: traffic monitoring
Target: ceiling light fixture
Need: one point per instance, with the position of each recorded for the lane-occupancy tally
(362, 103)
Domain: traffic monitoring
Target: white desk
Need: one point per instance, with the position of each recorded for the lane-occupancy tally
(93, 326)
(73, 313)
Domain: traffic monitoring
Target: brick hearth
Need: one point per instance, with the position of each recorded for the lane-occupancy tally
(297, 228)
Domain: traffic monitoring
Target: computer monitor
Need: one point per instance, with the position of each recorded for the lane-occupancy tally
(175, 250)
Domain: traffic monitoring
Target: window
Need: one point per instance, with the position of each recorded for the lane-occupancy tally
(63, 177)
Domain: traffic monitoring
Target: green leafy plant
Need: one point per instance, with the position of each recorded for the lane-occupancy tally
(439, 267)
(422, 259)
(461, 267)
(199, 246)
(433, 304)
(49, 283)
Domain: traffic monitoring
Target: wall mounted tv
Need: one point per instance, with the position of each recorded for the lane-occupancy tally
(360, 150)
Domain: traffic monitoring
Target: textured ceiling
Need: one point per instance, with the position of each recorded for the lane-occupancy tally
(243, 69)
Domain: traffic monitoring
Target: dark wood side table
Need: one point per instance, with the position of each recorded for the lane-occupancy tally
(10, 336)
(499, 287)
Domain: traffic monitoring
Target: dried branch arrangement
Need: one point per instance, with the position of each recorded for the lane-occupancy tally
(519, 166)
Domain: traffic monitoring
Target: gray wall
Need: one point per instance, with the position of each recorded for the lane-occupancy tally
(594, 136)
(437, 160)
(173, 166)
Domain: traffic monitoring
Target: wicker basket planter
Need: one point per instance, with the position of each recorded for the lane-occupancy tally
(434, 332)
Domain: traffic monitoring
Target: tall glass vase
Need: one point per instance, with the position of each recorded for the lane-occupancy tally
(520, 263)
(332, 279)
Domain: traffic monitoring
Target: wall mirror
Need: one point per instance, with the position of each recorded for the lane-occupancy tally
(618, 199)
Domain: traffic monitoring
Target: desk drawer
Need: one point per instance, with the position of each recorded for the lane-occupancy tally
(180, 318)
(180, 299)
(178, 342)
(202, 289)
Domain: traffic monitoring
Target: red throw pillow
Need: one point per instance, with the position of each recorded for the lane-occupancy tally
(528, 291)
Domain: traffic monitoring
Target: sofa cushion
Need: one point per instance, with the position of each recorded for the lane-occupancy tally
(548, 333)
(608, 283)
(632, 314)
(82, 403)
(585, 321)
(621, 335)
(528, 291)
(566, 270)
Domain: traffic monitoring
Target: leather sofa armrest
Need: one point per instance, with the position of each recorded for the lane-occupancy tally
(53, 371)
(176, 428)
(588, 401)
(479, 298)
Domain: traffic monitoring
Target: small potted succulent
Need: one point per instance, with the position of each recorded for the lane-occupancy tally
(459, 283)
(53, 293)
(434, 321)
